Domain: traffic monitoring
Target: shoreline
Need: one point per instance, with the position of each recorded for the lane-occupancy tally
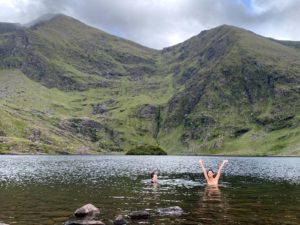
(118, 154)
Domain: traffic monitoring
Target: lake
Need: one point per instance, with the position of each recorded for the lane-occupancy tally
(44, 190)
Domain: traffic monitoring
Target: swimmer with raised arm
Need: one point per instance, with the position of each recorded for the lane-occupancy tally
(209, 175)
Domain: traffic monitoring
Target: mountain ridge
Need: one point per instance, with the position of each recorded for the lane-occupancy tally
(81, 90)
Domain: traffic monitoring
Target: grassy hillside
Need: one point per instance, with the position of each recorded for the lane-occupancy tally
(98, 120)
(238, 94)
(66, 88)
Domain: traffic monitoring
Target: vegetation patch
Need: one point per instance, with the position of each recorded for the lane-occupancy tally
(146, 150)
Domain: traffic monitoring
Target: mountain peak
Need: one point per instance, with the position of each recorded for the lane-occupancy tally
(47, 17)
(225, 28)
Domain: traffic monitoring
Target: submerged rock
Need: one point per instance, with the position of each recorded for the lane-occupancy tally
(120, 220)
(84, 222)
(170, 211)
(87, 210)
(139, 215)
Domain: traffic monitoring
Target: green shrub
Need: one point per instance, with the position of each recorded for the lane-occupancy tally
(146, 150)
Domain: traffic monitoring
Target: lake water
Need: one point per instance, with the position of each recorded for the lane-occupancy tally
(45, 190)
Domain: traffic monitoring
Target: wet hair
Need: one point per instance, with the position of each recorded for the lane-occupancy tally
(152, 174)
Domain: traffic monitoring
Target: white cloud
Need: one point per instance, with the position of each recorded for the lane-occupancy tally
(161, 23)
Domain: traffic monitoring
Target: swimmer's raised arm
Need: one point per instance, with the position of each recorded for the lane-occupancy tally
(220, 168)
(203, 169)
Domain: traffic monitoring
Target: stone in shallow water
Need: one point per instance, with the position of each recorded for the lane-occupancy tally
(170, 211)
(139, 215)
(85, 216)
(84, 222)
(120, 220)
(3, 223)
(87, 210)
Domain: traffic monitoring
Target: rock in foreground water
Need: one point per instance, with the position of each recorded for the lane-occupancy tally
(86, 215)
(87, 210)
(139, 215)
(120, 220)
(170, 211)
(84, 222)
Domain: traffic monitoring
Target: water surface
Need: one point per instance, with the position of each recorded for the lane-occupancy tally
(38, 190)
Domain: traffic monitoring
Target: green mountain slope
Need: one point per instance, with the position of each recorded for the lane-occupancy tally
(66, 87)
(238, 94)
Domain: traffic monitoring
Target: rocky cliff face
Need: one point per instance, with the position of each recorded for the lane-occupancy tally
(226, 90)
(232, 82)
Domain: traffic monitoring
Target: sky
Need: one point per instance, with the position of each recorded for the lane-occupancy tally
(162, 23)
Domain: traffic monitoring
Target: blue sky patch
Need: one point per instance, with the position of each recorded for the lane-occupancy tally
(247, 3)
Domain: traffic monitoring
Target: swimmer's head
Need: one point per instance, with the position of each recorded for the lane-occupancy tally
(153, 173)
(154, 178)
(210, 173)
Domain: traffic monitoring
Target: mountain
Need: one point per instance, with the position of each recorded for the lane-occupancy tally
(239, 92)
(66, 87)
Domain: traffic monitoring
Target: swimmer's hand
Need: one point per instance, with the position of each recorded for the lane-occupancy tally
(225, 161)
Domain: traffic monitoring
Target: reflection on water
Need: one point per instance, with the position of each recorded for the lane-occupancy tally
(212, 205)
(212, 194)
(44, 190)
